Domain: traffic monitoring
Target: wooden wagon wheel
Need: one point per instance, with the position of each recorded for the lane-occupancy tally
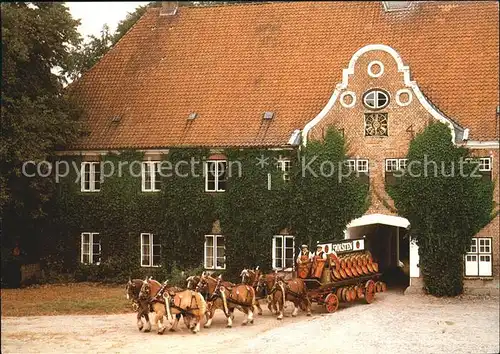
(331, 303)
(348, 272)
(343, 274)
(375, 267)
(370, 268)
(369, 291)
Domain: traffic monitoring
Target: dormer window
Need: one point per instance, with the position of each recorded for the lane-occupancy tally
(376, 99)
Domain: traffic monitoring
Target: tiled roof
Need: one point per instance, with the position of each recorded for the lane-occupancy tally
(230, 64)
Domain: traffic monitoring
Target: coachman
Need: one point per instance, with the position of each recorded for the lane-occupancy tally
(304, 262)
(318, 263)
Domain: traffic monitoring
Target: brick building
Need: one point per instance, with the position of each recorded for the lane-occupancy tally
(378, 71)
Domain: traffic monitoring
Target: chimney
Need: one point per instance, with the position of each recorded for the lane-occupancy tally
(169, 8)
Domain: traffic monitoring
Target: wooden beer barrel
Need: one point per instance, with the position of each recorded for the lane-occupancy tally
(354, 293)
(348, 272)
(365, 270)
(375, 267)
(354, 272)
(370, 268)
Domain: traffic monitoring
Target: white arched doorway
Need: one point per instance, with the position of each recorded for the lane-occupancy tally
(388, 240)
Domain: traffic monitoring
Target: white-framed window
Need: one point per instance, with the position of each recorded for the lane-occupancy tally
(357, 165)
(90, 248)
(478, 262)
(393, 165)
(215, 176)
(283, 252)
(151, 181)
(375, 99)
(485, 164)
(215, 252)
(362, 166)
(150, 250)
(90, 177)
(284, 165)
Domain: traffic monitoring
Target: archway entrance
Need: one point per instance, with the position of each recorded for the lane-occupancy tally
(388, 241)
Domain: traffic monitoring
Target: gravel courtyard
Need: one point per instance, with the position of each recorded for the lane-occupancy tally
(394, 323)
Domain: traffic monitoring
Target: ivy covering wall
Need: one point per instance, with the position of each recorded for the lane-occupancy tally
(445, 208)
(182, 213)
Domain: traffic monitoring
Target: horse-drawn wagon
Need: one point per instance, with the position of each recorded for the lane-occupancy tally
(350, 273)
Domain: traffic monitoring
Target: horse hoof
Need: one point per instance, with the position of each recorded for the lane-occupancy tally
(309, 314)
(294, 315)
(205, 326)
(147, 330)
(160, 332)
(228, 326)
(279, 318)
(171, 330)
(251, 322)
(260, 313)
(244, 323)
(140, 328)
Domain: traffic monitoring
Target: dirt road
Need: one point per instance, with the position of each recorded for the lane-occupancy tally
(394, 323)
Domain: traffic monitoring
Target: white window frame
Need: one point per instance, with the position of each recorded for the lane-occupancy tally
(393, 165)
(284, 165)
(376, 94)
(93, 166)
(154, 168)
(283, 251)
(485, 164)
(216, 175)
(214, 252)
(478, 261)
(91, 244)
(362, 165)
(151, 246)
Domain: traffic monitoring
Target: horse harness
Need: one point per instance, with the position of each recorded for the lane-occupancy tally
(159, 298)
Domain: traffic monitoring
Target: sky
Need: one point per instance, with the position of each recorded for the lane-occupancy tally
(93, 15)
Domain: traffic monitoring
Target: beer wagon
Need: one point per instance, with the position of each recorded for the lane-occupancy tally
(349, 275)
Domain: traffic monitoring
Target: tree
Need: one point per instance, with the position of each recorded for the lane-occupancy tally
(87, 54)
(327, 195)
(37, 116)
(446, 202)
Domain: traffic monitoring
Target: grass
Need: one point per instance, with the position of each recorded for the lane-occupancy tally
(65, 299)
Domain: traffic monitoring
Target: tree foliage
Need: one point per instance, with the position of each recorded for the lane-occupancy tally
(327, 195)
(37, 117)
(446, 207)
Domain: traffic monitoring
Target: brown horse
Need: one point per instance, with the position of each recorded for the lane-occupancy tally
(148, 291)
(227, 297)
(251, 277)
(293, 290)
(192, 281)
(142, 307)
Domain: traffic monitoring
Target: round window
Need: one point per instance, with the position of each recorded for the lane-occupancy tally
(376, 99)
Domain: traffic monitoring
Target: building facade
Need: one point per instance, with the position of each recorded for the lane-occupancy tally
(276, 75)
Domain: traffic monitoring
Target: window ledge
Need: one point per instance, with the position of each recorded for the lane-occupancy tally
(479, 278)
